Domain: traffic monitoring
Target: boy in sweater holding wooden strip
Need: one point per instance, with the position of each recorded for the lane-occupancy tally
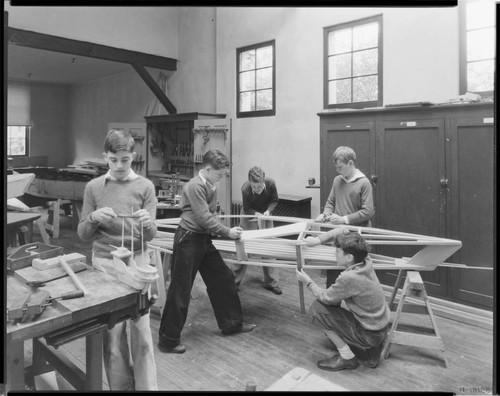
(352, 312)
(122, 191)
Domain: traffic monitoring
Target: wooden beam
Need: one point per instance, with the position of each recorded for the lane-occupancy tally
(153, 86)
(27, 38)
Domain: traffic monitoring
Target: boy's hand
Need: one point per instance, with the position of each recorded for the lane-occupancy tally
(235, 232)
(143, 217)
(266, 213)
(302, 277)
(310, 241)
(103, 215)
(336, 219)
(321, 218)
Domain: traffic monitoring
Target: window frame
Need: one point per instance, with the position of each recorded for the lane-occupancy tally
(355, 105)
(462, 52)
(255, 113)
(26, 139)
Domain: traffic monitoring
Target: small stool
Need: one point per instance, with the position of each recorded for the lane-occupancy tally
(414, 287)
(53, 221)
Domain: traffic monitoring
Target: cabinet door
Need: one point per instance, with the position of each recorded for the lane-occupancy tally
(411, 164)
(138, 131)
(214, 134)
(472, 220)
(358, 136)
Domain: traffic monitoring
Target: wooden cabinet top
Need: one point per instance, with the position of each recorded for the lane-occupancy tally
(411, 108)
(182, 117)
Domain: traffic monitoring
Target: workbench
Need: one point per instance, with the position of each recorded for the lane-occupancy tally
(18, 219)
(107, 302)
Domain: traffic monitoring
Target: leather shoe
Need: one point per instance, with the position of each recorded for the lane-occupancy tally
(243, 328)
(371, 356)
(274, 289)
(337, 363)
(176, 349)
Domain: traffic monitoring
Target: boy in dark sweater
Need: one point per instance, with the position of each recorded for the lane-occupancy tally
(260, 198)
(352, 312)
(122, 191)
(194, 251)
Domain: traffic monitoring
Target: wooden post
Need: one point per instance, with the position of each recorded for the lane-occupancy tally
(300, 262)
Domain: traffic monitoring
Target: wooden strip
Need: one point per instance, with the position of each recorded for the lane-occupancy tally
(73, 276)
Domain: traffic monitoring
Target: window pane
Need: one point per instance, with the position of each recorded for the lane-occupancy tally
(481, 44)
(265, 99)
(365, 62)
(265, 78)
(247, 81)
(264, 56)
(339, 91)
(365, 89)
(17, 147)
(339, 66)
(480, 14)
(480, 76)
(17, 132)
(339, 41)
(247, 101)
(247, 60)
(365, 36)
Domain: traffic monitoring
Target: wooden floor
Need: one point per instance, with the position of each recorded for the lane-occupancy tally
(284, 338)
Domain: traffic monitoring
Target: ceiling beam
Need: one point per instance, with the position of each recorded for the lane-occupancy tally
(151, 83)
(26, 38)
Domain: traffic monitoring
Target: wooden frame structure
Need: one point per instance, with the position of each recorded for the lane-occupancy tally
(266, 247)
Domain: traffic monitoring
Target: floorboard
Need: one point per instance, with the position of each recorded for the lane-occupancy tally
(284, 339)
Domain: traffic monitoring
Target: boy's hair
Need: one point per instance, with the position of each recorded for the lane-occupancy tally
(118, 140)
(344, 154)
(256, 175)
(216, 159)
(354, 244)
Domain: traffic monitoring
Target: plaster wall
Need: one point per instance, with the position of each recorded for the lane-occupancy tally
(122, 98)
(192, 87)
(50, 123)
(152, 30)
(420, 47)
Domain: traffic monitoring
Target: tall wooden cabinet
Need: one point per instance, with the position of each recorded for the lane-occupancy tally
(176, 144)
(432, 172)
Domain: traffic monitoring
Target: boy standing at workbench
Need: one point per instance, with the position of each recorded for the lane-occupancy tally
(122, 191)
(352, 312)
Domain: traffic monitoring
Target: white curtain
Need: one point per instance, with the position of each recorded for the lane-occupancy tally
(18, 104)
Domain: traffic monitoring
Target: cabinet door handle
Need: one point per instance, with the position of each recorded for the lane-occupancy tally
(444, 183)
(374, 179)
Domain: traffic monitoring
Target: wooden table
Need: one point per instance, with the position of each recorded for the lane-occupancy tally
(106, 303)
(18, 219)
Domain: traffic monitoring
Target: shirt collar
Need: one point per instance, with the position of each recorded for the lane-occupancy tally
(206, 182)
(356, 175)
(131, 176)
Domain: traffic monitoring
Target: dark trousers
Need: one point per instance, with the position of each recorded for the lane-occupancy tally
(193, 252)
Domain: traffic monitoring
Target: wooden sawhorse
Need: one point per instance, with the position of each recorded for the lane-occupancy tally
(413, 288)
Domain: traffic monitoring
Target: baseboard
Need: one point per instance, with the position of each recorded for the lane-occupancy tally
(447, 309)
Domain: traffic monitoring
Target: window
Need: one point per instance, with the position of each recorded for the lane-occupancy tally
(256, 80)
(477, 46)
(17, 140)
(353, 64)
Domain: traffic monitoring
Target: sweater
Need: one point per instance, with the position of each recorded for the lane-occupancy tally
(198, 204)
(353, 199)
(124, 197)
(266, 200)
(360, 290)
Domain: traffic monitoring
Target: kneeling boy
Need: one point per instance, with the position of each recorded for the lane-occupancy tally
(352, 312)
